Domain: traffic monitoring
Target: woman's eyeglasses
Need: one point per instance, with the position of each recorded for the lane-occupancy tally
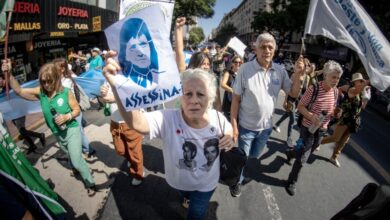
(49, 81)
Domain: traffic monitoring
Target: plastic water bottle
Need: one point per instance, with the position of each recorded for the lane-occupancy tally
(313, 128)
(106, 109)
(299, 144)
(55, 115)
(366, 93)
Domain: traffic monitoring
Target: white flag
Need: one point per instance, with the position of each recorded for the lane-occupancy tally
(237, 46)
(346, 22)
(149, 72)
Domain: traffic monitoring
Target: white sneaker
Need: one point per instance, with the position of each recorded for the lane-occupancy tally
(290, 142)
(334, 162)
(277, 129)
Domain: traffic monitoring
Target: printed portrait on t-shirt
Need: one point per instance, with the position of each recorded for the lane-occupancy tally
(211, 152)
(189, 153)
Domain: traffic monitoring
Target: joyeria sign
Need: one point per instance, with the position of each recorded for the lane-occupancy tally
(72, 12)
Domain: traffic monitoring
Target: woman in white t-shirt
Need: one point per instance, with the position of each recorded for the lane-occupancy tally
(191, 166)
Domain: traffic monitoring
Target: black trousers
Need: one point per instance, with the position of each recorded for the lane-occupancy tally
(310, 143)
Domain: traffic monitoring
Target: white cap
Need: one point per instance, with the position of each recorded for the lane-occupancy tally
(96, 49)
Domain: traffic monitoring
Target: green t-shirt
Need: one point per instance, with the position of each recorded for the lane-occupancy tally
(60, 103)
(96, 62)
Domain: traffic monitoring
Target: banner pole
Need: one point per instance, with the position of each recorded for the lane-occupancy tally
(303, 49)
(9, 14)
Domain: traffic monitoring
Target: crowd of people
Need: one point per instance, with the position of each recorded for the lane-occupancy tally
(206, 122)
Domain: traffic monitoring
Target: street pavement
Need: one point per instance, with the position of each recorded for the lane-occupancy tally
(322, 190)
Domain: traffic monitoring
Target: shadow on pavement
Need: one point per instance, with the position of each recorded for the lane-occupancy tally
(313, 157)
(102, 150)
(274, 147)
(70, 213)
(153, 199)
(256, 171)
(41, 151)
(153, 159)
(351, 153)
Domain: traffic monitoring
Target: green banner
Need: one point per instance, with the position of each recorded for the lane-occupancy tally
(15, 166)
(5, 6)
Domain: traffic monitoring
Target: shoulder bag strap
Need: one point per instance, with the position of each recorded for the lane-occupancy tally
(220, 126)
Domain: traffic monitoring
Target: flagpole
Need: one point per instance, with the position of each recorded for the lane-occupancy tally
(303, 45)
(8, 15)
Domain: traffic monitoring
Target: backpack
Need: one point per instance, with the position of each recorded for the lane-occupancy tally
(312, 100)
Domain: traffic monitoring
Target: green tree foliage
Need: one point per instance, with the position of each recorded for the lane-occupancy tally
(196, 36)
(284, 18)
(189, 8)
(225, 33)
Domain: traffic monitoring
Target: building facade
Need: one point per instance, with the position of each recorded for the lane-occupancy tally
(242, 17)
(42, 30)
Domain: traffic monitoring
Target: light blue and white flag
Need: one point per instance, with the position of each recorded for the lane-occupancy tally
(346, 22)
(187, 56)
(149, 73)
(16, 107)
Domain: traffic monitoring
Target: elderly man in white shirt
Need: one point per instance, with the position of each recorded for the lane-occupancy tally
(255, 92)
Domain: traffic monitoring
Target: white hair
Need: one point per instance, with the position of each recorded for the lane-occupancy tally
(265, 37)
(332, 67)
(207, 78)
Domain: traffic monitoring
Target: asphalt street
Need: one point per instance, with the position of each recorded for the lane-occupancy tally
(322, 190)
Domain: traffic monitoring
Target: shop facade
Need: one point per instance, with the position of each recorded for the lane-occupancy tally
(42, 30)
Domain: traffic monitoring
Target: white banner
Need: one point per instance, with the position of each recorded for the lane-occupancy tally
(237, 46)
(149, 72)
(346, 22)
(129, 7)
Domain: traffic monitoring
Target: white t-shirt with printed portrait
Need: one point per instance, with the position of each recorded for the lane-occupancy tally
(189, 164)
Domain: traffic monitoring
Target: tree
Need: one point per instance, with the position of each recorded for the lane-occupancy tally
(196, 36)
(225, 33)
(379, 11)
(189, 8)
(284, 18)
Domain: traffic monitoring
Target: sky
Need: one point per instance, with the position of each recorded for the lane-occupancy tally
(221, 7)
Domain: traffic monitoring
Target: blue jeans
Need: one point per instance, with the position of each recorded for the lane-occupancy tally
(84, 140)
(199, 202)
(252, 142)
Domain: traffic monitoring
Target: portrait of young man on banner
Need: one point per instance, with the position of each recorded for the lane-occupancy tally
(149, 74)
